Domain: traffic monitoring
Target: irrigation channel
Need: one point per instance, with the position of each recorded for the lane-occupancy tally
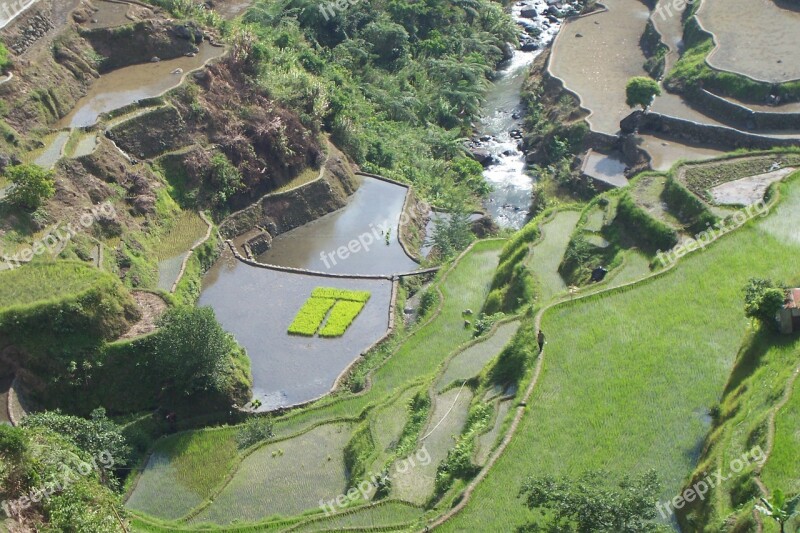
(258, 304)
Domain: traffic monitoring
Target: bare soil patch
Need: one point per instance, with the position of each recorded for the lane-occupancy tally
(151, 306)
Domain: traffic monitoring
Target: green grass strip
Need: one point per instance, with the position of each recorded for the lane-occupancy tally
(341, 294)
(342, 315)
(310, 316)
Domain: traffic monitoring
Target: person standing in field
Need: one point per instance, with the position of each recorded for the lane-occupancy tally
(540, 339)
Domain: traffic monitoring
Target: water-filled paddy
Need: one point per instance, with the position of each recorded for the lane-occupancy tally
(130, 84)
(322, 245)
(257, 305)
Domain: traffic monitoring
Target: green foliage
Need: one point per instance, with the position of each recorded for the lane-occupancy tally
(589, 504)
(485, 322)
(12, 442)
(427, 302)
(640, 91)
(95, 435)
(194, 353)
(32, 186)
(5, 60)
(763, 299)
(418, 409)
(395, 83)
(458, 464)
(342, 315)
(652, 234)
(780, 508)
(452, 235)
(225, 180)
(357, 454)
(37, 461)
(340, 294)
(309, 318)
(255, 430)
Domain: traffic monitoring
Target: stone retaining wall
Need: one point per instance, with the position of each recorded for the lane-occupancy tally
(741, 116)
(721, 136)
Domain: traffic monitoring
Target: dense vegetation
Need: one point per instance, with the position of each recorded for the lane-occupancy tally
(397, 84)
(56, 474)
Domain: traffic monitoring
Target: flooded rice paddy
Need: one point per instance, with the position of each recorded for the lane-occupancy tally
(257, 305)
(128, 85)
(322, 245)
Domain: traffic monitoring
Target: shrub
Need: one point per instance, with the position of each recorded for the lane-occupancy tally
(689, 209)
(194, 352)
(640, 91)
(763, 299)
(253, 431)
(5, 60)
(31, 186)
(96, 435)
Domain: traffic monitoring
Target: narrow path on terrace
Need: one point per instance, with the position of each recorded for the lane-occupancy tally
(546, 254)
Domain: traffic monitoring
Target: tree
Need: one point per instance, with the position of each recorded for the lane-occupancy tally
(95, 435)
(641, 91)
(590, 504)
(781, 510)
(762, 300)
(31, 186)
(193, 350)
(452, 234)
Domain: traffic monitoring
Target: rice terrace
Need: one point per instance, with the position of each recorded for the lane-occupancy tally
(408, 265)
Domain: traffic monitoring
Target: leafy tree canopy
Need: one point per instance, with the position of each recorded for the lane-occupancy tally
(95, 435)
(641, 91)
(763, 299)
(193, 350)
(590, 504)
(31, 186)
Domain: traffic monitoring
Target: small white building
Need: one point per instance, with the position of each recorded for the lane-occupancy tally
(789, 315)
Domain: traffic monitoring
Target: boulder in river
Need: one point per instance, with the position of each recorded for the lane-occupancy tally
(482, 156)
(529, 13)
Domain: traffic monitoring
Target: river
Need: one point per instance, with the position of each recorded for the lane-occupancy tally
(509, 202)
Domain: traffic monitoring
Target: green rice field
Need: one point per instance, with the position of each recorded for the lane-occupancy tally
(615, 388)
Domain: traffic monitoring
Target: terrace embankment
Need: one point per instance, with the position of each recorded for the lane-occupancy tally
(277, 213)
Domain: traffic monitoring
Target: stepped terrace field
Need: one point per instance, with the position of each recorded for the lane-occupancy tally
(618, 388)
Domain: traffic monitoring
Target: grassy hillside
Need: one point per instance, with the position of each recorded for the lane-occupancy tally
(638, 382)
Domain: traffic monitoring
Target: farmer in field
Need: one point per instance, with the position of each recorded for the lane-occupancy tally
(540, 339)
